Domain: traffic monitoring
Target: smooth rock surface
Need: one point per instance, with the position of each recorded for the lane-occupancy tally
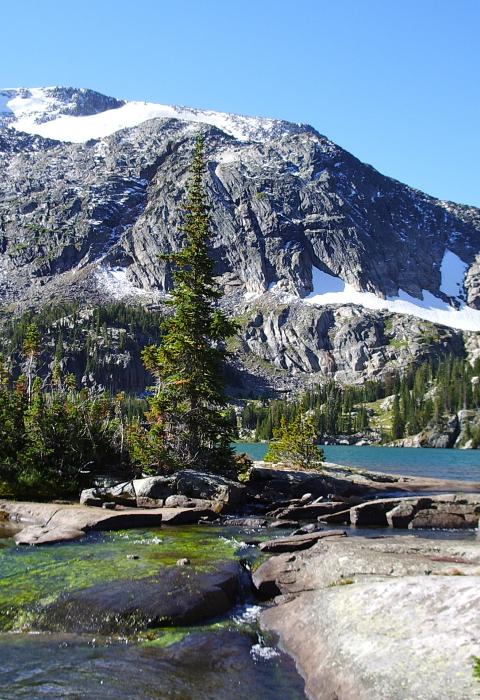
(298, 542)
(55, 519)
(37, 535)
(390, 619)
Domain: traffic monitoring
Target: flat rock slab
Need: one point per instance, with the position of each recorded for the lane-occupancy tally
(54, 519)
(389, 637)
(37, 535)
(298, 542)
(175, 596)
(371, 618)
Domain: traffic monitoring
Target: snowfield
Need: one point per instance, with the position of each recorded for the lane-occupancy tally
(32, 107)
(329, 289)
(115, 282)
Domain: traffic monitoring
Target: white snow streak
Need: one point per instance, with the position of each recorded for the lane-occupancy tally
(31, 106)
(114, 281)
(328, 289)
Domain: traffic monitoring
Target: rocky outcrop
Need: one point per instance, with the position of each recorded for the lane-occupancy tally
(186, 487)
(446, 511)
(337, 483)
(48, 523)
(346, 615)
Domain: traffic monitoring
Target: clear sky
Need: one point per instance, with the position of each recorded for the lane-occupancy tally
(396, 82)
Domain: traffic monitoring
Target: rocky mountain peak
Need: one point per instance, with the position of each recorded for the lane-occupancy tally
(315, 248)
(27, 107)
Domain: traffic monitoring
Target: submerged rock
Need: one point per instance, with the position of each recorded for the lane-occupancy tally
(176, 596)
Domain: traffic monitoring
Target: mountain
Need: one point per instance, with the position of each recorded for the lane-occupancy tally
(331, 268)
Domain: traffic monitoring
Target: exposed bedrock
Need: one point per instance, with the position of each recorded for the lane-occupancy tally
(389, 618)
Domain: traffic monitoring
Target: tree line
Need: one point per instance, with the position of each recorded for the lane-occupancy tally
(421, 396)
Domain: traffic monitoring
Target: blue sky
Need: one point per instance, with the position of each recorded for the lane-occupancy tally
(396, 82)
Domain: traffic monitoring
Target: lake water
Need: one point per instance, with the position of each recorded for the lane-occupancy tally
(434, 463)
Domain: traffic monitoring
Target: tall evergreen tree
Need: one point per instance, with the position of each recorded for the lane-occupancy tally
(190, 426)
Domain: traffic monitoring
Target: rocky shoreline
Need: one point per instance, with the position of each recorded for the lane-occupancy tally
(336, 494)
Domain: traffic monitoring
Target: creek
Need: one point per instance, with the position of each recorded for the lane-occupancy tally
(224, 657)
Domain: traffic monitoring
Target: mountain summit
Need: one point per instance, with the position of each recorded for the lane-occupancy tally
(78, 115)
(333, 268)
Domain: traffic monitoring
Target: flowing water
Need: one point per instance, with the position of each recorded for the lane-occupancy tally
(225, 659)
(411, 461)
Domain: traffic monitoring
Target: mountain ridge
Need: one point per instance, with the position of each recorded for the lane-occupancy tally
(298, 224)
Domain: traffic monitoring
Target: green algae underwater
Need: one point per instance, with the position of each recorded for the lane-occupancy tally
(227, 657)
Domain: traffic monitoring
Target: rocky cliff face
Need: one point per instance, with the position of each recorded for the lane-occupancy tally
(301, 231)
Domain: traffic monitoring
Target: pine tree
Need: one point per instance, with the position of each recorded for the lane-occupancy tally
(398, 424)
(31, 350)
(190, 426)
(295, 443)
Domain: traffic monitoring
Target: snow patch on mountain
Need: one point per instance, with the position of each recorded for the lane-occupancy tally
(28, 105)
(36, 111)
(329, 289)
(453, 271)
(115, 283)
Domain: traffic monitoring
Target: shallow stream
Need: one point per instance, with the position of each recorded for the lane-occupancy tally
(225, 659)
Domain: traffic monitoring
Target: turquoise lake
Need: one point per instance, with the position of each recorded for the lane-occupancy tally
(434, 463)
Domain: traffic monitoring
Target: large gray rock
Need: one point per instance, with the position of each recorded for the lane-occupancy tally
(211, 487)
(175, 596)
(370, 618)
(122, 494)
(153, 489)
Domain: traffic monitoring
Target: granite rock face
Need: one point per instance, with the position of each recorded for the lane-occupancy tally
(88, 221)
(389, 618)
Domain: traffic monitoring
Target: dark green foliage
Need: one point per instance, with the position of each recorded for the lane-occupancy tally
(422, 394)
(476, 667)
(188, 424)
(295, 443)
(86, 341)
(51, 438)
(431, 392)
(335, 410)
